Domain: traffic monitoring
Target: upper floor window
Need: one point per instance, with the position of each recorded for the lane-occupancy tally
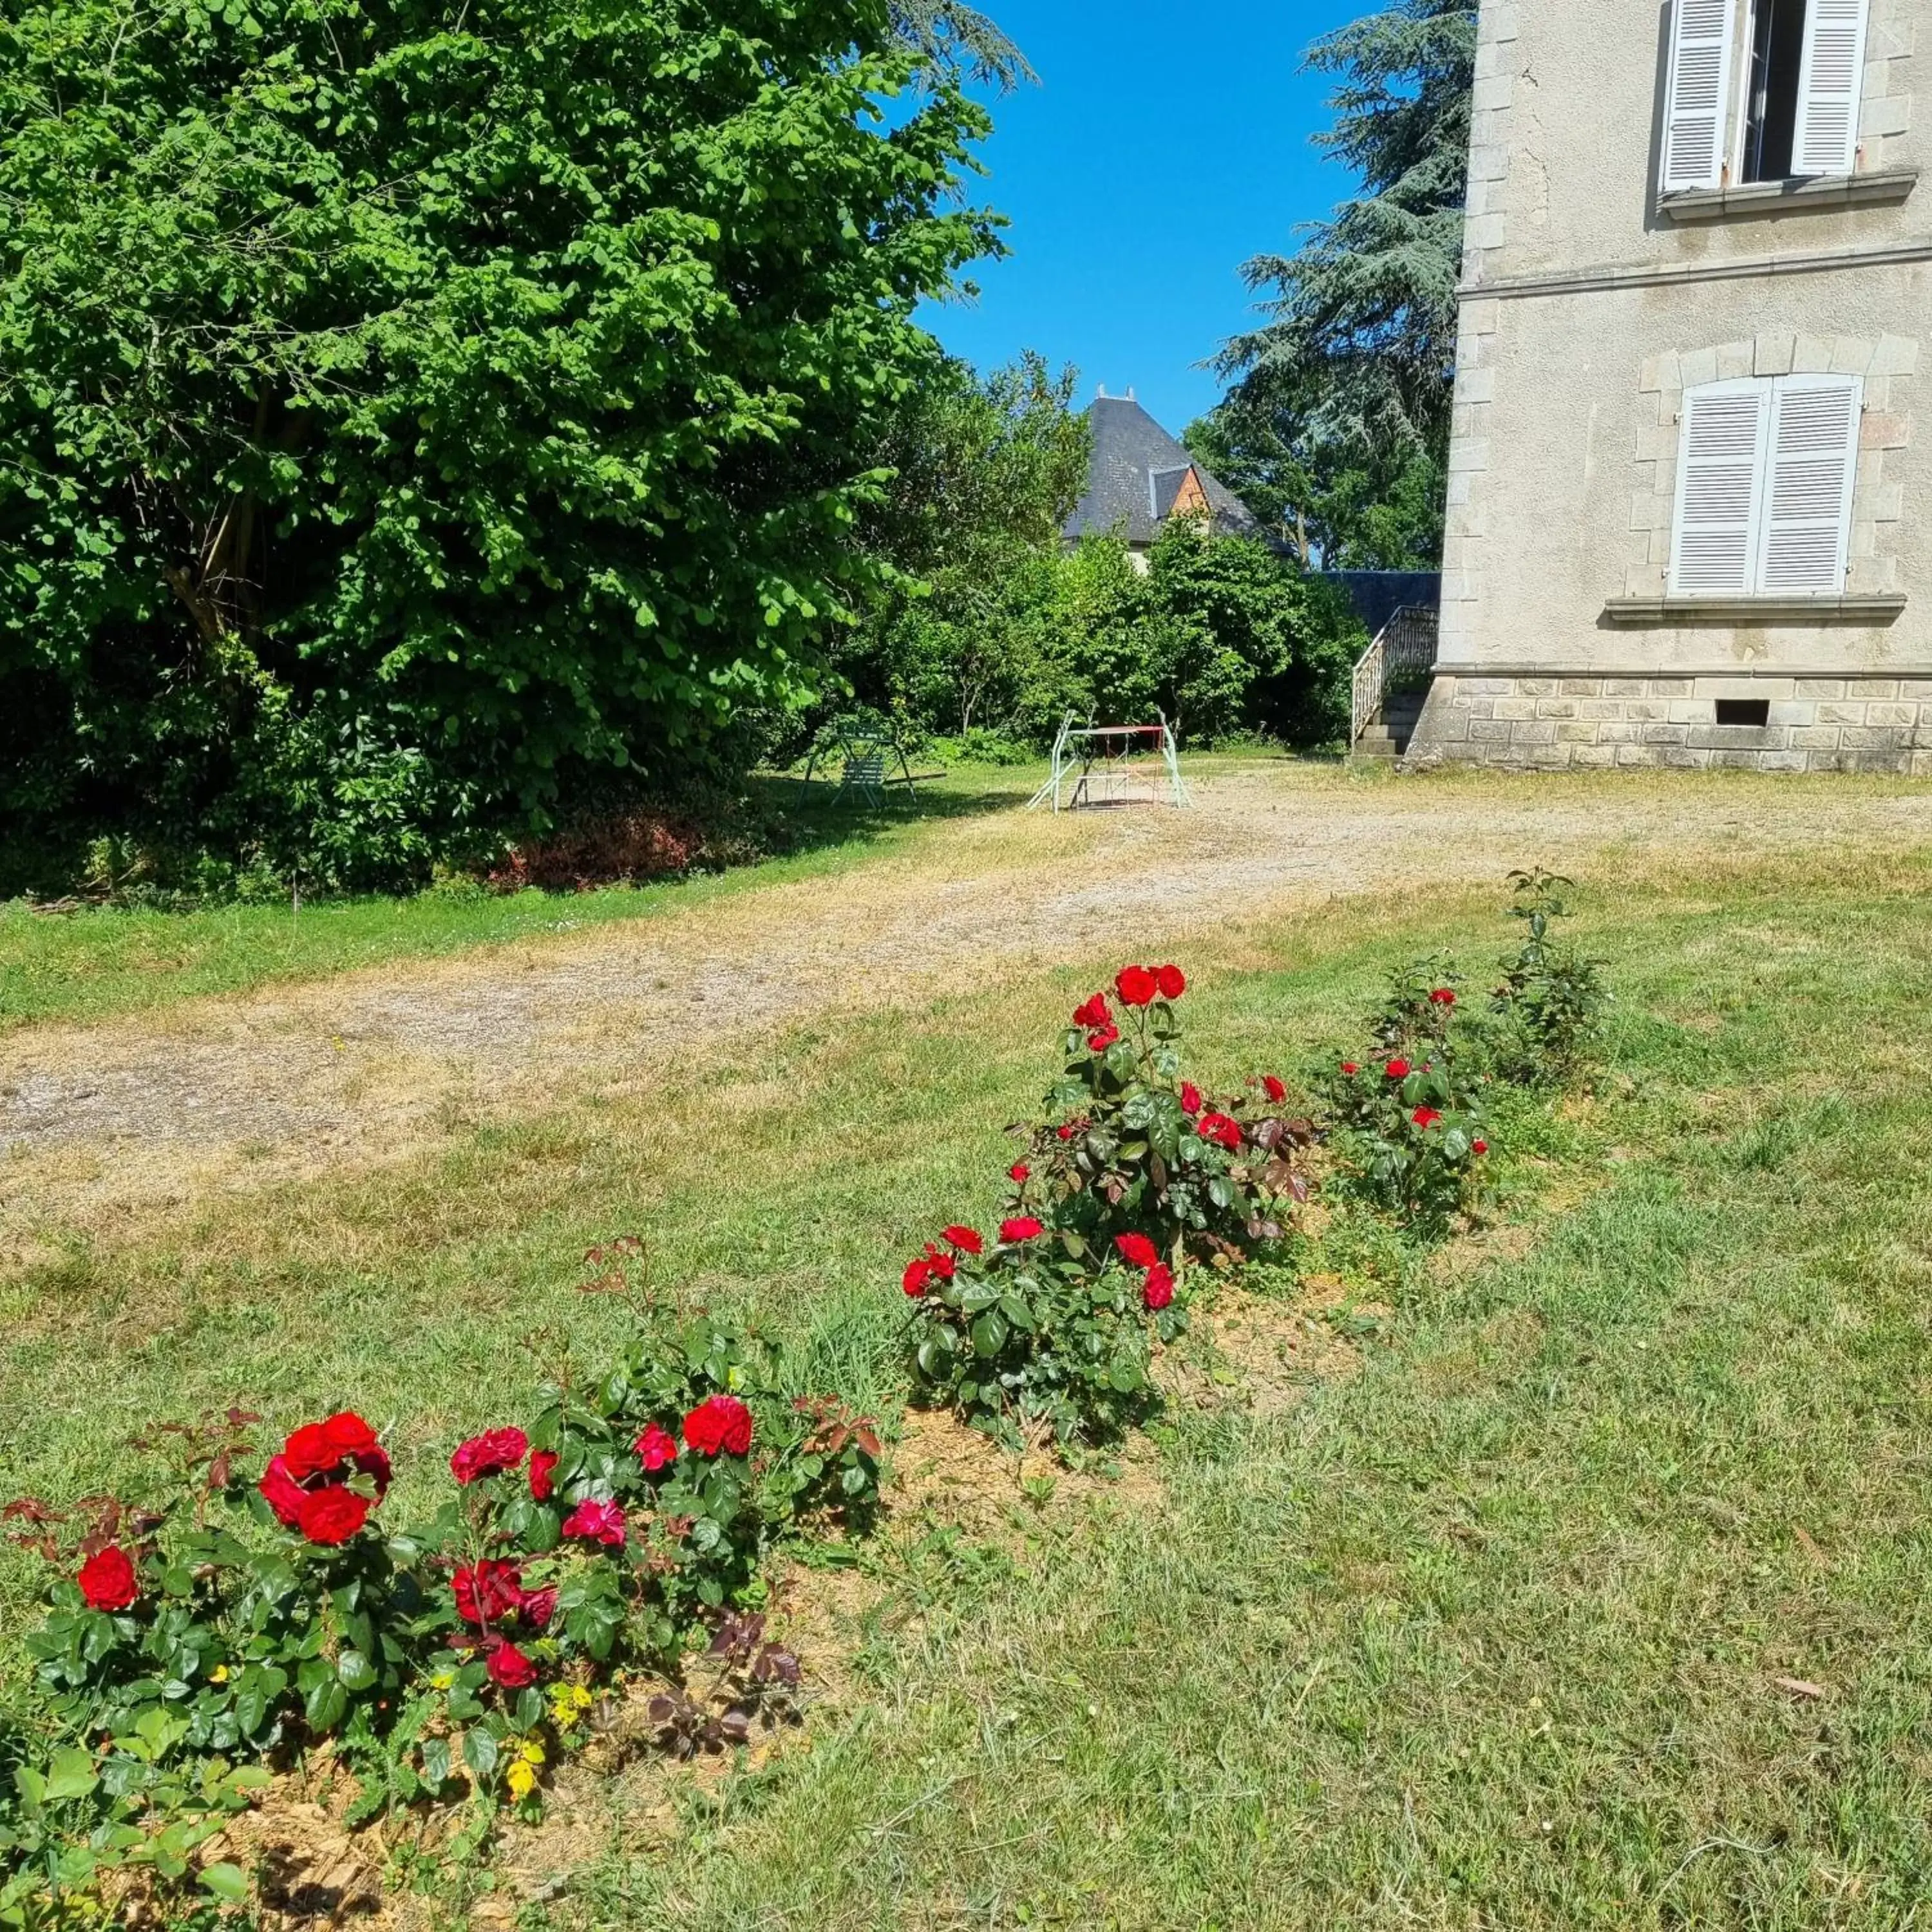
(1765, 472)
(1795, 110)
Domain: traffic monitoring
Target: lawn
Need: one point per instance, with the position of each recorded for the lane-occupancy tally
(1488, 1632)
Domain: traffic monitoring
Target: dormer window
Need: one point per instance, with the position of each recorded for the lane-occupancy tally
(1795, 113)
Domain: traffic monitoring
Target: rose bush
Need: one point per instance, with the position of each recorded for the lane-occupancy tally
(1130, 1145)
(1134, 1176)
(1025, 1335)
(239, 1615)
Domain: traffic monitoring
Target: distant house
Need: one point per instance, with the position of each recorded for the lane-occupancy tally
(1139, 477)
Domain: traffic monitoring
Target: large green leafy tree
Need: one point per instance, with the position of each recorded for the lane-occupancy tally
(985, 473)
(1337, 427)
(408, 414)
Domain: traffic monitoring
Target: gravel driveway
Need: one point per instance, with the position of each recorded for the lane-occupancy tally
(360, 1064)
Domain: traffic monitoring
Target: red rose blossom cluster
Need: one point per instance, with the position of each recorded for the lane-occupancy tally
(1157, 1283)
(489, 1592)
(1443, 996)
(938, 1263)
(308, 1485)
(1222, 1129)
(594, 1522)
(107, 1580)
(719, 1425)
(1095, 1017)
(1140, 986)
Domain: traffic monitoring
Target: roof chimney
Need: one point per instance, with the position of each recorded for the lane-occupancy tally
(1102, 392)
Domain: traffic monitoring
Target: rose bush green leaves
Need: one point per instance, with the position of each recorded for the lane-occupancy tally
(1547, 1011)
(1409, 1114)
(239, 1614)
(1133, 1178)
(1130, 1145)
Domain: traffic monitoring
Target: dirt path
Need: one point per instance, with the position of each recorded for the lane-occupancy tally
(362, 1064)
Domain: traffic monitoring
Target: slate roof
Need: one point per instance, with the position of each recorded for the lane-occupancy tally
(1136, 472)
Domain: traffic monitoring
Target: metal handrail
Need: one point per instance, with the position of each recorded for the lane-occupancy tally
(1407, 642)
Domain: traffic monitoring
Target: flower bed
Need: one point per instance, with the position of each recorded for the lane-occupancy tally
(268, 1601)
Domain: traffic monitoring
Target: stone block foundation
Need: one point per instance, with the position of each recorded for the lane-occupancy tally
(1855, 723)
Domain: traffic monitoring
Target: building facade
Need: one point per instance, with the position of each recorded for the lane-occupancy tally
(1688, 503)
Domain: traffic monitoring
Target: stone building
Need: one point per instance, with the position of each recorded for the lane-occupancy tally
(1688, 497)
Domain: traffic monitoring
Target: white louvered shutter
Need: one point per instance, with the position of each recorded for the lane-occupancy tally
(1716, 538)
(1829, 83)
(1702, 32)
(1806, 525)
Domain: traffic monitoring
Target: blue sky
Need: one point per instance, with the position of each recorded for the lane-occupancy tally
(1166, 145)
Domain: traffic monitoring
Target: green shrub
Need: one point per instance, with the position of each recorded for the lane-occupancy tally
(355, 527)
(1134, 1173)
(1548, 1011)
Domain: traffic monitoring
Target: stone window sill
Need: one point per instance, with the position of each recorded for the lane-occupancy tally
(1648, 611)
(1812, 194)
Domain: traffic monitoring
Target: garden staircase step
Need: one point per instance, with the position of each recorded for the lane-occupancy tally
(1387, 734)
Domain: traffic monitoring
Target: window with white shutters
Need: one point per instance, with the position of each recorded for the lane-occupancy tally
(1702, 32)
(1722, 443)
(1806, 523)
(1826, 139)
(1765, 469)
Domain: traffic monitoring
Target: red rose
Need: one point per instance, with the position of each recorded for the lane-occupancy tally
(1171, 981)
(1017, 1174)
(487, 1592)
(1068, 1130)
(510, 1669)
(107, 1580)
(348, 1435)
(1094, 1013)
(1137, 1250)
(917, 1278)
(1157, 1290)
(1101, 1038)
(1442, 997)
(1397, 1069)
(719, 1423)
(656, 1447)
(308, 1452)
(1219, 1128)
(596, 1522)
(333, 1515)
(943, 1265)
(1425, 1117)
(1136, 985)
(1479, 1146)
(538, 1607)
(485, 1455)
(966, 1239)
(1021, 1228)
(1350, 1068)
(1191, 1102)
(1274, 1089)
(283, 1492)
(543, 1462)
